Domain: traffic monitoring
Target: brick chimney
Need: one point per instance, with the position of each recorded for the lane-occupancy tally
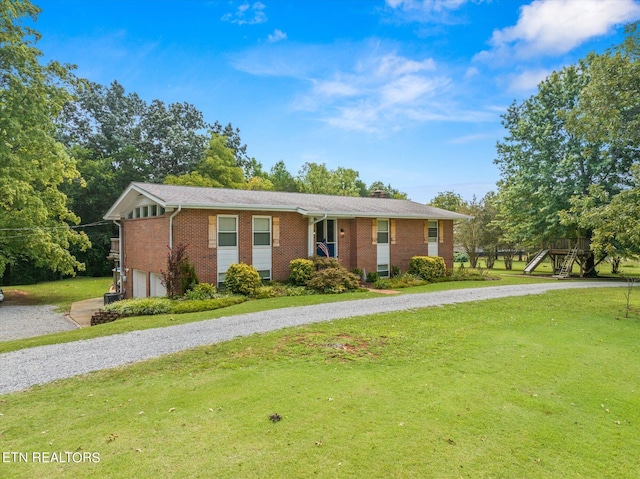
(379, 194)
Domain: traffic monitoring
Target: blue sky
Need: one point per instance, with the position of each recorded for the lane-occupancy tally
(409, 92)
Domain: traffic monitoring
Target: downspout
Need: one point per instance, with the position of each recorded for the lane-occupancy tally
(175, 213)
(120, 255)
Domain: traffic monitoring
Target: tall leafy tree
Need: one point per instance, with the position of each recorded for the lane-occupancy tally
(447, 200)
(172, 139)
(34, 216)
(544, 163)
(614, 219)
(281, 178)
(217, 169)
(317, 178)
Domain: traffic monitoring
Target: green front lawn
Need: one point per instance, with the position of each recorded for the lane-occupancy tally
(59, 293)
(539, 387)
(146, 322)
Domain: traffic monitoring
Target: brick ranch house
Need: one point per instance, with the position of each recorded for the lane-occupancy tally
(267, 230)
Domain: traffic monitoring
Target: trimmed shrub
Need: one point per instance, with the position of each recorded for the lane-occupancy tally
(151, 306)
(300, 271)
(322, 262)
(140, 306)
(460, 257)
(471, 274)
(427, 267)
(404, 280)
(195, 306)
(202, 291)
(372, 277)
(395, 271)
(382, 283)
(333, 280)
(242, 279)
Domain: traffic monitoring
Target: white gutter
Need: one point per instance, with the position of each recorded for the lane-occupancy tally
(120, 256)
(175, 213)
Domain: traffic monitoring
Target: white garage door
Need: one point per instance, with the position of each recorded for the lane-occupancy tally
(157, 288)
(139, 284)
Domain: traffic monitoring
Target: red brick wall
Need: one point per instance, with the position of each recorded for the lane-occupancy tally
(192, 227)
(366, 253)
(445, 249)
(146, 241)
(346, 243)
(409, 242)
(294, 231)
(144, 247)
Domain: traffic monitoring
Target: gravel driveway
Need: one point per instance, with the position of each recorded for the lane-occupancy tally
(20, 321)
(27, 367)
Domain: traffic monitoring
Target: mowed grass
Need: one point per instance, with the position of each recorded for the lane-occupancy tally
(59, 293)
(538, 387)
(146, 322)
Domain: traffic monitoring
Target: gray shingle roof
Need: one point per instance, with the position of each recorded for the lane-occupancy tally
(172, 196)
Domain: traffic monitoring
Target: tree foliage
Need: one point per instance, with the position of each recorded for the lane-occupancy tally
(218, 168)
(34, 216)
(281, 178)
(447, 200)
(316, 178)
(613, 219)
(544, 162)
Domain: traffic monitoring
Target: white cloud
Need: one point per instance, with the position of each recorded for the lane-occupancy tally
(378, 91)
(247, 14)
(528, 80)
(277, 36)
(554, 27)
(469, 138)
(365, 87)
(426, 10)
(426, 6)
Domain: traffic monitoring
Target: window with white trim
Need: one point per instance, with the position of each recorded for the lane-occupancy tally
(261, 231)
(433, 231)
(227, 231)
(383, 231)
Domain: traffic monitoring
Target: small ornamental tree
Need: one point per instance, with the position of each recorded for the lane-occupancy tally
(180, 276)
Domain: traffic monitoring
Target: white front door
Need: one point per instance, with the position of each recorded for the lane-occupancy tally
(327, 238)
(433, 238)
(384, 256)
(227, 244)
(261, 252)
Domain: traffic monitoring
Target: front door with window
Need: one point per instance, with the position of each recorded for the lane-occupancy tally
(261, 251)
(384, 257)
(227, 244)
(433, 238)
(326, 238)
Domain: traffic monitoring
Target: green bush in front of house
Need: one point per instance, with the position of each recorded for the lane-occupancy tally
(140, 306)
(427, 267)
(242, 279)
(300, 271)
(333, 280)
(322, 262)
(196, 305)
(152, 306)
(202, 291)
